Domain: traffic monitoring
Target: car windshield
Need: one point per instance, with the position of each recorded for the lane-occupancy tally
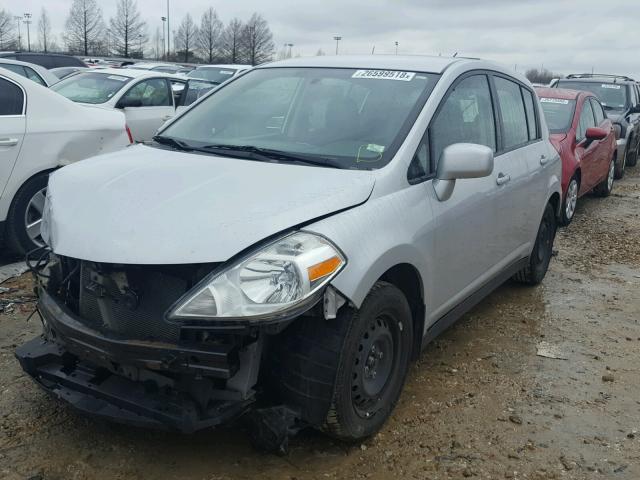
(197, 89)
(91, 88)
(219, 75)
(558, 113)
(344, 118)
(613, 96)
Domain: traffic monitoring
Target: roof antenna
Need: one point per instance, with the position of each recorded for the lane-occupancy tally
(455, 54)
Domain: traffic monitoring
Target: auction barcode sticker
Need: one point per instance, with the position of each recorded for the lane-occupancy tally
(609, 85)
(384, 75)
(555, 100)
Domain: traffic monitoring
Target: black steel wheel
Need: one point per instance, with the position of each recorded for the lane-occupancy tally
(373, 364)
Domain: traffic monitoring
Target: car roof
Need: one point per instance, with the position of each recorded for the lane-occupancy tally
(421, 63)
(225, 65)
(132, 73)
(147, 65)
(560, 93)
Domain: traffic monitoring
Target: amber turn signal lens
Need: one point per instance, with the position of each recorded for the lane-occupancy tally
(322, 269)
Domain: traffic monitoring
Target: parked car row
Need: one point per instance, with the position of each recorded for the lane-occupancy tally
(282, 249)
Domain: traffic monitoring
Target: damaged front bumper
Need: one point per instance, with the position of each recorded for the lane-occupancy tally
(145, 383)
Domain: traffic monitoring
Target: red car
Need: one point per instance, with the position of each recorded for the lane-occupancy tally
(586, 140)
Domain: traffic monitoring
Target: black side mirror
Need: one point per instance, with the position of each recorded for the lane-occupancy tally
(128, 102)
(635, 109)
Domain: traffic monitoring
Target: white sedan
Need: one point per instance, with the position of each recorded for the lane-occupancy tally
(41, 131)
(147, 98)
(29, 70)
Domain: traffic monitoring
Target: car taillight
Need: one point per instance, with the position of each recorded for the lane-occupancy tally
(126, 127)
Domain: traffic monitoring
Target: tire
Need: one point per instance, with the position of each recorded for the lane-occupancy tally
(570, 201)
(633, 159)
(604, 188)
(619, 173)
(540, 257)
(18, 238)
(369, 380)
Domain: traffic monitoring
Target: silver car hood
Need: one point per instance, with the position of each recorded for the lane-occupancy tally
(154, 206)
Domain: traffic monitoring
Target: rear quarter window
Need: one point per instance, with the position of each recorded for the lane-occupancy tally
(11, 98)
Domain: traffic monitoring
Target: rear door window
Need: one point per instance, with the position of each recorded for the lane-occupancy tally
(515, 131)
(11, 98)
(532, 119)
(19, 69)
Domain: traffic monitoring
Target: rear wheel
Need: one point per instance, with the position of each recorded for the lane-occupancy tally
(570, 200)
(25, 216)
(604, 188)
(540, 257)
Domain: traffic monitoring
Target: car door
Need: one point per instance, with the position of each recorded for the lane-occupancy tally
(147, 105)
(586, 152)
(517, 171)
(194, 90)
(464, 234)
(12, 127)
(603, 149)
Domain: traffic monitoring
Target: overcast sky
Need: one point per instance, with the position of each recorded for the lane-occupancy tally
(563, 35)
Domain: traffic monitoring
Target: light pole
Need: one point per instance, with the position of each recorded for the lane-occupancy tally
(168, 34)
(164, 44)
(396, 48)
(27, 21)
(140, 46)
(19, 20)
(337, 38)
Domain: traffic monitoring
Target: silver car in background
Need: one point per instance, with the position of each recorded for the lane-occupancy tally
(289, 244)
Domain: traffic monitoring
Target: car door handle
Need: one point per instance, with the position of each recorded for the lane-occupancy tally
(543, 159)
(167, 117)
(8, 142)
(502, 179)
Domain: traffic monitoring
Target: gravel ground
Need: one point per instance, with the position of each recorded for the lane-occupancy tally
(484, 401)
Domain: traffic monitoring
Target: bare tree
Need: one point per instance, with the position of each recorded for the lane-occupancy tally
(231, 41)
(257, 40)
(186, 37)
(209, 35)
(542, 76)
(7, 30)
(84, 27)
(128, 30)
(44, 30)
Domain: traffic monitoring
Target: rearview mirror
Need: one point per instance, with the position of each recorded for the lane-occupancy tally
(458, 161)
(595, 133)
(128, 102)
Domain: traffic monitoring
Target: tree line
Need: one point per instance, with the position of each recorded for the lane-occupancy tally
(126, 35)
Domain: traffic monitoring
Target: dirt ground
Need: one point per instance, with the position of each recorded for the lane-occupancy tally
(480, 402)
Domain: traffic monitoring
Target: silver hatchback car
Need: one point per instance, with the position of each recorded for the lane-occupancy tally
(291, 242)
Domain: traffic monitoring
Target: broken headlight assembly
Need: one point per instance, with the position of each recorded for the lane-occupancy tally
(278, 280)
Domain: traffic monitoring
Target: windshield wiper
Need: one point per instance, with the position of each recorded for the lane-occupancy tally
(258, 153)
(172, 142)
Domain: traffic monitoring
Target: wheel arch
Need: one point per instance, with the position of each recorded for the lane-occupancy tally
(408, 280)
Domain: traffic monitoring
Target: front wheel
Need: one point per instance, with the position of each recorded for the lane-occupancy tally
(540, 257)
(619, 171)
(25, 216)
(373, 364)
(633, 159)
(570, 201)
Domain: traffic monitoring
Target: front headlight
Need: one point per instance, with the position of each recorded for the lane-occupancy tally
(45, 225)
(274, 281)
